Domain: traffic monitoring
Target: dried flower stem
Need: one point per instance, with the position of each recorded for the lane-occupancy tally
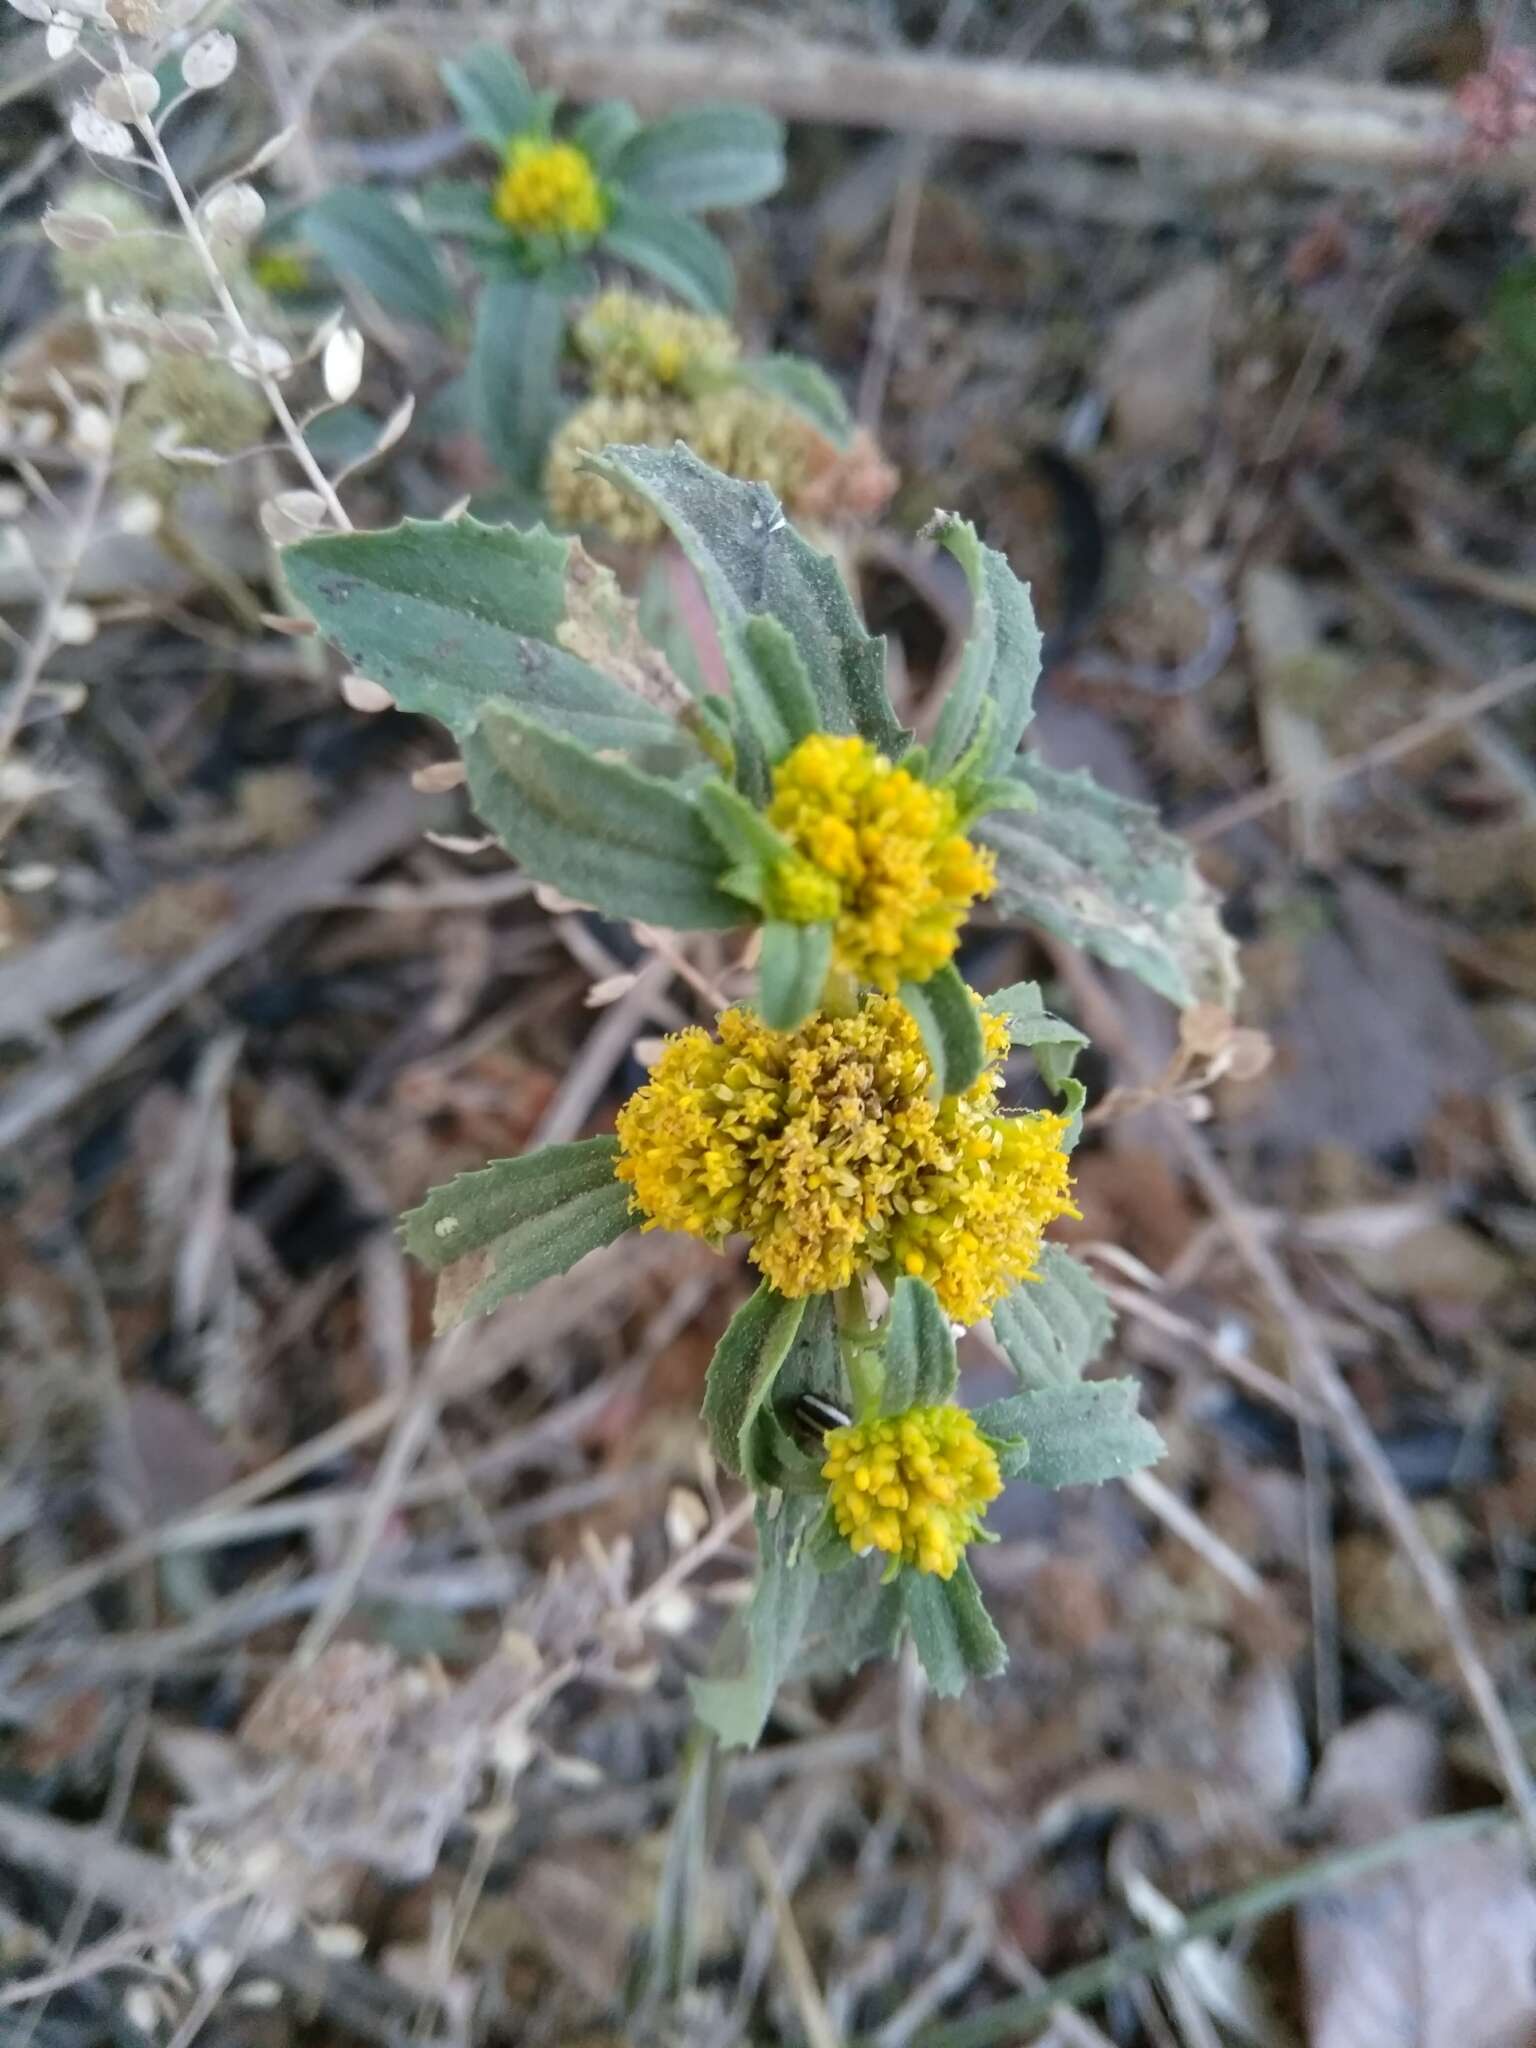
(45, 634)
(302, 453)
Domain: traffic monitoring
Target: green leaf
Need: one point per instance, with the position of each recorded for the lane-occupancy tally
(514, 373)
(673, 249)
(491, 91)
(1001, 662)
(630, 844)
(742, 1372)
(763, 1640)
(1002, 1423)
(704, 157)
(360, 234)
(455, 206)
(746, 837)
(792, 972)
(951, 1629)
(603, 129)
(807, 388)
(919, 1353)
(770, 687)
(1101, 873)
(1054, 1042)
(516, 1222)
(452, 616)
(858, 1615)
(812, 1365)
(1085, 1433)
(950, 1022)
(750, 559)
(1054, 1325)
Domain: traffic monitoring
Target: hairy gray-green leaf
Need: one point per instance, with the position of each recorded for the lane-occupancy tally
(919, 1351)
(361, 235)
(628, 843)
(771, 688)
(461, 208)
(858, 1615)
(673, 249)
(750, 559)
(1100, 872)
(491, 91)
(1083, 1434)
(812, 1365)
(1054, 1042)
(951, 1629)
(516, 1222)
(943, 1011)
(742, 1372)
(1001, 661)
(792, 971)
(603, 129)
(1053, 1326)
(1003, 1425)
(514, 373)
(451, 616)
(764, 1640)
(704, 157)
(807, 388)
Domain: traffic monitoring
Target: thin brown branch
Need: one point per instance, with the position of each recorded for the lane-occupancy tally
(1282, 121)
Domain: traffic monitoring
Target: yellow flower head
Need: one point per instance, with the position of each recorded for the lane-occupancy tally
(827, 1148)
(914, 1485)
(640, 346)
(877, 851)
(549, 188)
(282, 268)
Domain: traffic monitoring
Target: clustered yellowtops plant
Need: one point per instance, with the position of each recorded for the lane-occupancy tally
(847, 1121)
(661, 374)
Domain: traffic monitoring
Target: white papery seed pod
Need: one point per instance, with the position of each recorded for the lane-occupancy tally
(63, 34)
(90, 429)
(341, 367)
(235, 214)
(209, 61)
(98, 134)
(74, 625)
(261, 356)
(33, 10)
(190, 334)
(293, 515)
(69, 229)
(364, 694)
(128, 96)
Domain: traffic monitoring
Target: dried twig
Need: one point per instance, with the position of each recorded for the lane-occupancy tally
(1307, 123)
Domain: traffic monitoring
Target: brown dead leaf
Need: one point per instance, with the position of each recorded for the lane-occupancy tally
(1436, 1953)
(1159, 369)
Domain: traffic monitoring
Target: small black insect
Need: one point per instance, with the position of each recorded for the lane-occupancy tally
(811, 1417)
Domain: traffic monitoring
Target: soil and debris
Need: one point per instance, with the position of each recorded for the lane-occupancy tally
(342, 1670)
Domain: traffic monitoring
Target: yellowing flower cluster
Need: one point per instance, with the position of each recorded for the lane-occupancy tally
(639, 346)
(827, 1147)
(549, 188)
(914, 1485)
(878, 853)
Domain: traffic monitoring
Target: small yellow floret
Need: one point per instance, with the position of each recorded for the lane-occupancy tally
(549, 188)
(885, 846)
(914, 1485)
(639, 346)
(825, 1146)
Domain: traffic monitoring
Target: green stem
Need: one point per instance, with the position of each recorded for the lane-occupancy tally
(860, 1344)
(840, 997)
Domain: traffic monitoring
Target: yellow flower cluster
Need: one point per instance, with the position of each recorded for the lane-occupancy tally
(639, 346)
(877, 852)
(549, 188)
(827, 1147)
(914, 1485)
(740, 431)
